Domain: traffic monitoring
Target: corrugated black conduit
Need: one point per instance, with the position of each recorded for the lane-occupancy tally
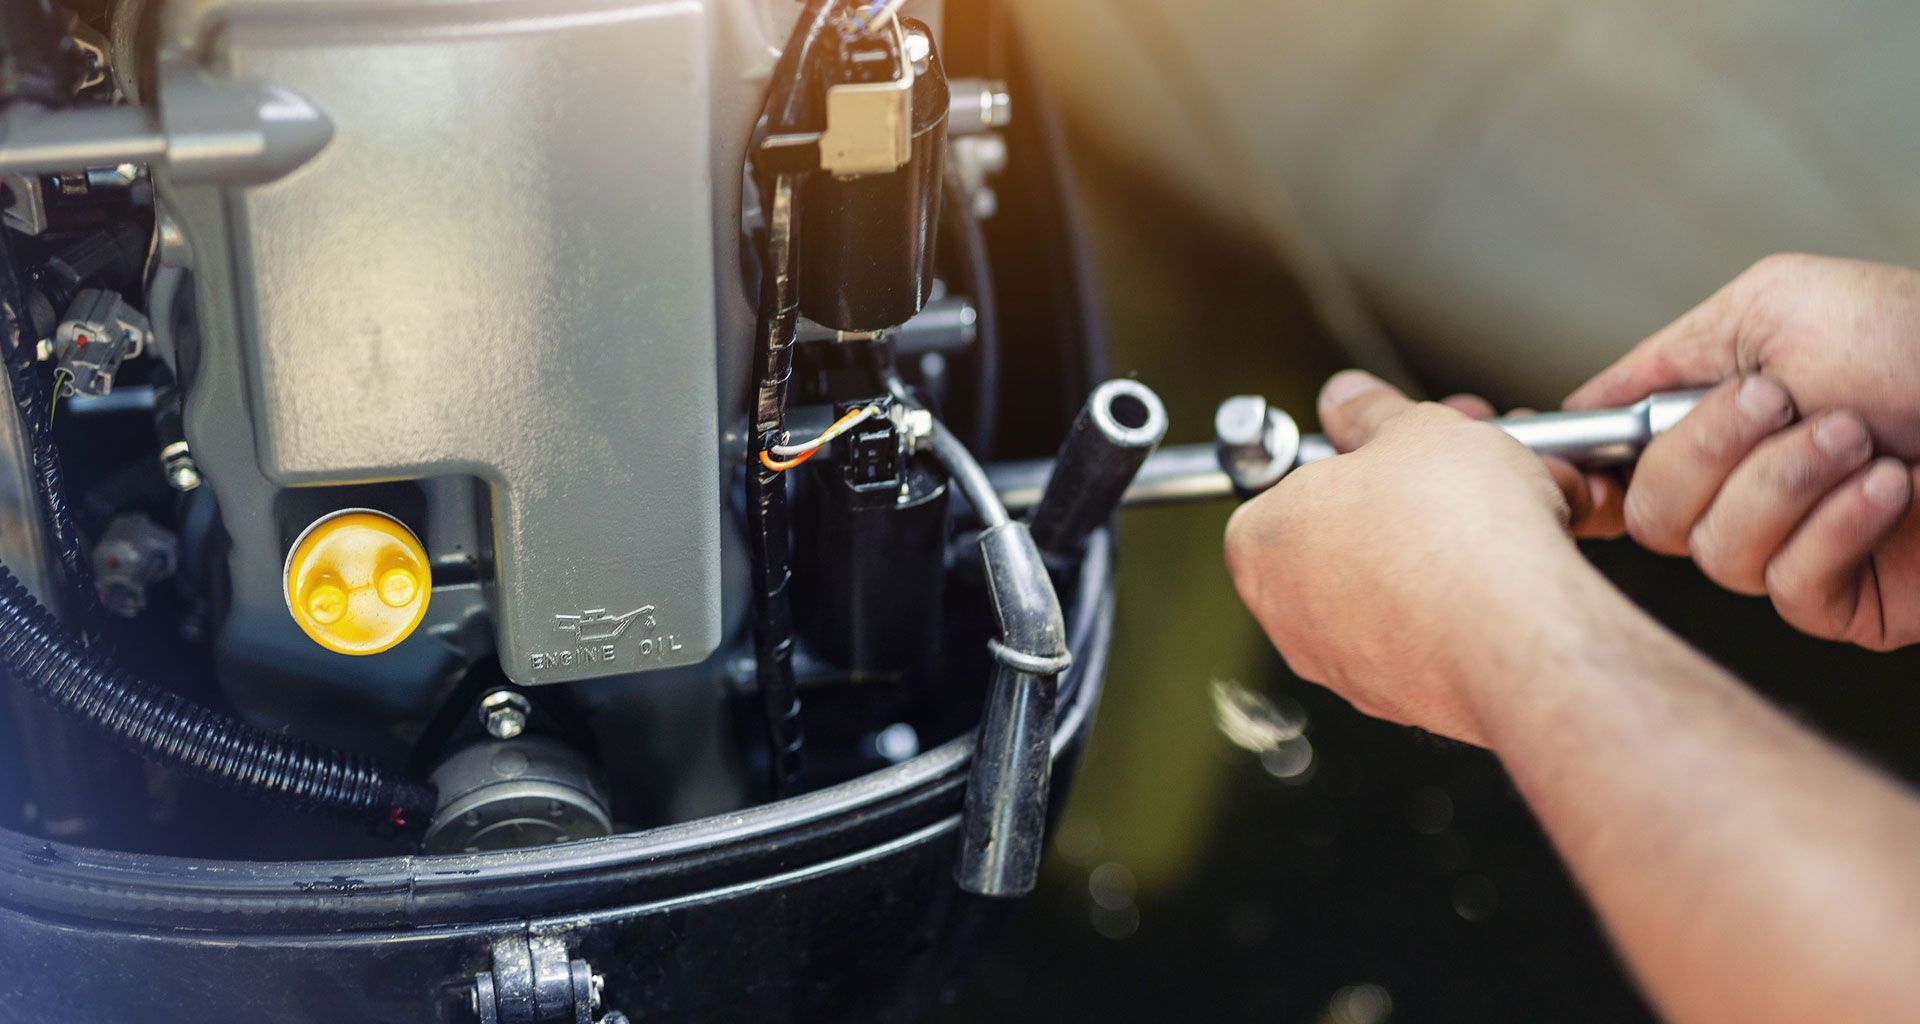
(18, 342)
(788, 108)
(45, 657)
(40, 653)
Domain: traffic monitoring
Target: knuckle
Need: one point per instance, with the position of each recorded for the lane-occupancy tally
(1714, 440)
(1244, 539)
(1797, 601)
(1708, 553)
(1783, 585)
(1779, 264)
(1730, 565)
(1794, 472)
(1648, 525)
(1423, 416)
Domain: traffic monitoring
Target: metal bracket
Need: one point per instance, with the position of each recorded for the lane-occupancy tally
(535, 981)
(207, 129)
(28, 214)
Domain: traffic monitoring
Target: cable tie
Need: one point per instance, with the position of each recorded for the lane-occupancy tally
(1031, 664)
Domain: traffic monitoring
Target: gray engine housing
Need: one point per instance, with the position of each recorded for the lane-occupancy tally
(506, 295)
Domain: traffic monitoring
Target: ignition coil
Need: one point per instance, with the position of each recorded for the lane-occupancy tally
(869, 221)
(874, 512)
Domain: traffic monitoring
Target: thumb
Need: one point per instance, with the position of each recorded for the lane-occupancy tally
(1354, 404)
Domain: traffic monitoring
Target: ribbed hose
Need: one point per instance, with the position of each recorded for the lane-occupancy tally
(45, 657)
(17, 344)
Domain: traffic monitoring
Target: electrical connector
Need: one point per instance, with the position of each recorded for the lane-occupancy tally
(100, 332)
(873, 458)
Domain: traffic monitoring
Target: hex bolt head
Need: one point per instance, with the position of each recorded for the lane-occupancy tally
(1257, 443)
(1240, 425)
(504, 713)
(183, 476)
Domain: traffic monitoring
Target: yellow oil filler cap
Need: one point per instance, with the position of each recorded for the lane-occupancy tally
(358, 581)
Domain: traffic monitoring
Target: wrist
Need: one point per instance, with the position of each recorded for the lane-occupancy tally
(1547, 633)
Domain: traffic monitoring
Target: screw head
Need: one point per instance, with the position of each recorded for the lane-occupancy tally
(504, 713)
(184, 476)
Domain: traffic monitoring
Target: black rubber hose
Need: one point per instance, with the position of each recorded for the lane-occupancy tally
(1004, 818)
(45, 657)
(975, 272)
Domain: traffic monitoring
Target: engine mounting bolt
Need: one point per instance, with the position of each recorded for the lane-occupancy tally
(184, 477)
(504, 713)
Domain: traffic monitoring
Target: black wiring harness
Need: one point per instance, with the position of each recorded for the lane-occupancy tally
(790, 105)
(77, 677)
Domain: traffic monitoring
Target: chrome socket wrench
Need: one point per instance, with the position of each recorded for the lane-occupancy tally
(1257, 445)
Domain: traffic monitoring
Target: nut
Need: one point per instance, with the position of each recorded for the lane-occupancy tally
(504, 713)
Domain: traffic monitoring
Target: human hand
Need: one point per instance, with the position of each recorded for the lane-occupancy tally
(1799, 508)
(1399, 574)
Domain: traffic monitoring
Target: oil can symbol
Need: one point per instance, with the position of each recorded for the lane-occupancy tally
(597, 625)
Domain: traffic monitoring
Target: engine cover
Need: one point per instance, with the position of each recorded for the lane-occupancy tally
(501, 268)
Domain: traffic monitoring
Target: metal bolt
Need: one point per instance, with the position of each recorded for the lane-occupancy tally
(183, 474)
(978, 105)
(918, 49)
(1240, 425)
(1258, 443)
(504, 713)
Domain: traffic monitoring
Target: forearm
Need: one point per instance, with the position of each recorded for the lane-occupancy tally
(1748, 870)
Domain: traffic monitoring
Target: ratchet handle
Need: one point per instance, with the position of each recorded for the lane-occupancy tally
(1592, 439)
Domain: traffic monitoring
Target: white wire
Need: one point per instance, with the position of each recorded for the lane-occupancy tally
(788, 451)
(884, 14)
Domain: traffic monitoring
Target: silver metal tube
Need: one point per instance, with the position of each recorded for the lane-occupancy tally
(1599, 438)
(38, 142)
(1595, 438)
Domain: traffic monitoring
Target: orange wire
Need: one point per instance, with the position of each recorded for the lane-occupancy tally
(767, 459)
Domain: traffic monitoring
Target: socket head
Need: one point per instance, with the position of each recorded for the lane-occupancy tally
(1258, 444)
